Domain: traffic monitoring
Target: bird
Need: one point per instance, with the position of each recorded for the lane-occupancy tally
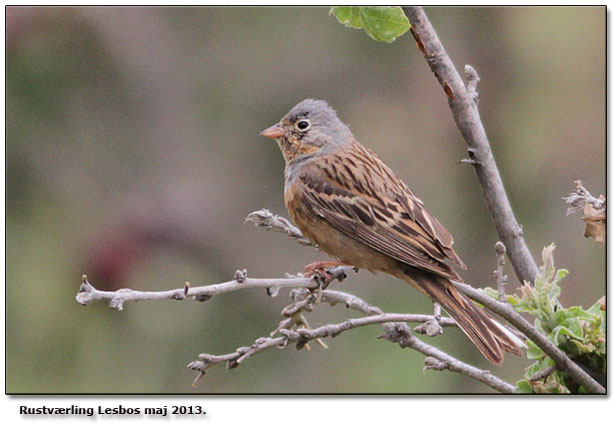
(346, 200)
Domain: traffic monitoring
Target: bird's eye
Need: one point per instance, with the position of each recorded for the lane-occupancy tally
(302, 125)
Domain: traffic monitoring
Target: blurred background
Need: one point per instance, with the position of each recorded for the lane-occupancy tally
(133, 156)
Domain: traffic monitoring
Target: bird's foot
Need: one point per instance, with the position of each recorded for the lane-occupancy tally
(317, 269)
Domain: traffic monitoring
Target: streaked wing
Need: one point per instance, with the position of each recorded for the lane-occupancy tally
(359, 195)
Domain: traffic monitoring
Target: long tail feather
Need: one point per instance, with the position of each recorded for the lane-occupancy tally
(488, 336)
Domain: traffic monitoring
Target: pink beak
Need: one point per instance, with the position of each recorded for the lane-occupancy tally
(273, 131)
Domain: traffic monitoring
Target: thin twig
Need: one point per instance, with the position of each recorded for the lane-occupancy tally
(561, 359)
(466, 116)
(501, 279)
(264, 218)
(88, 293)
(401, 334)
(301, 336)
(395, 330)
(334, 297)
(302, 288)
(543, 374)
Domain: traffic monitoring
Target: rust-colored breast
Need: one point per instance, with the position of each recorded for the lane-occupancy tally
(300, 212)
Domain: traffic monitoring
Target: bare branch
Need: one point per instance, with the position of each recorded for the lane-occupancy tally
(439, 360)
(466, 116)
(264, 218)
(88, 293)
(395, 330)
(334, 297)
(301, 336)
(561, 359)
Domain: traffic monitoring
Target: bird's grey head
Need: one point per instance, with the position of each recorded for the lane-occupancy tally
(308, 129)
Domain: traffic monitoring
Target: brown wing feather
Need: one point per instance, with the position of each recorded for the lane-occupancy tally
(430, 224)
(365, 200)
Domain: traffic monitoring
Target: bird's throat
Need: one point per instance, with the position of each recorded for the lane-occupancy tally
(293, 149)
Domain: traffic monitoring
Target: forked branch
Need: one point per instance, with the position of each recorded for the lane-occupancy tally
(396, 330)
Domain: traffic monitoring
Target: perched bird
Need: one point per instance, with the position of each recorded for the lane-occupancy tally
(346, 200)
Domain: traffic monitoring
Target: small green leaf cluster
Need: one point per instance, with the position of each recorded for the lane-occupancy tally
(382, 23)
(579, 332)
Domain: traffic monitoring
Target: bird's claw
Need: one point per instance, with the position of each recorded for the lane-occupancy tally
(318, 272)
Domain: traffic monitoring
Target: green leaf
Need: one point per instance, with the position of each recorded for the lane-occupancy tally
(575, 331)
(533, 352)
(382, 23)
(349, 16)
(561, 273)
(513, 299)
(491, 292)
(523, 387)
(563, 315)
